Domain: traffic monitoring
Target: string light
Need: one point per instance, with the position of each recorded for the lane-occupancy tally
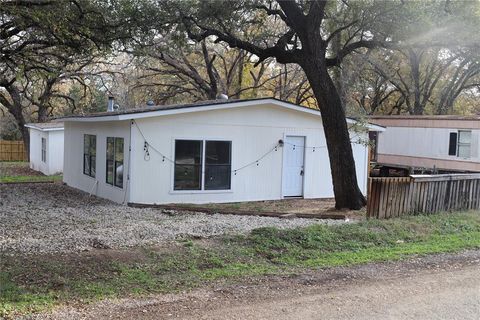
(147, 146)
(306, 147)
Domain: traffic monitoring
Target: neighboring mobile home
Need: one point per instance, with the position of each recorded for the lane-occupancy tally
(435, 143)
(46, 147)
(214, 151)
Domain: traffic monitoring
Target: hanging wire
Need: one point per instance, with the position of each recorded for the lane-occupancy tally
(148, 146)
(305, 147)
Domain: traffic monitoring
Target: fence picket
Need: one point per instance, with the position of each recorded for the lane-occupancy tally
(394, 197)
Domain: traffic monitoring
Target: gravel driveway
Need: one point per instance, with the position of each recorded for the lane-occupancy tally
(47, 218)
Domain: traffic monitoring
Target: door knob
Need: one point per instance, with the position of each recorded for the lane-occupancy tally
(301, 172)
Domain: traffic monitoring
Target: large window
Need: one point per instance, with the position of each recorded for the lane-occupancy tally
(115, 167)
(44, 150)
(460, 143)
(89, 154)
(188, 165)
(194, 157)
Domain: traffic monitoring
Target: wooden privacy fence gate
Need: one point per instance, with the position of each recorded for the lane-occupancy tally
(12, 151)
(394, 197)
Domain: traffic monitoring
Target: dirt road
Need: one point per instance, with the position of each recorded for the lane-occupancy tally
(434, 287)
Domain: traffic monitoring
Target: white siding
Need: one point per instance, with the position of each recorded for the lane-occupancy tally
(55, 152)
(253, 131)
(422, 142)
(54, 157)
(36, 162)
(73, 159)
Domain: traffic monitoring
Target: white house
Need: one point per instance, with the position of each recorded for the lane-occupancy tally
(445, 143)
(214, 151)
(46, 147)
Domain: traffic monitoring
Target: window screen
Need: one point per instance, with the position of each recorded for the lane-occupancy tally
(452, 146)
(218, 165)
(188, 165)
(89, 154)
(115, 156)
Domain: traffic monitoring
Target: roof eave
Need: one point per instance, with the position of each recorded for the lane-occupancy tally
(43, 129)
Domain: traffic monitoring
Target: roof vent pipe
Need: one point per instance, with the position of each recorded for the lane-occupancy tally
(110, 104)
(222, 96)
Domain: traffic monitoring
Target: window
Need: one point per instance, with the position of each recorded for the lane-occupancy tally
(189, 165)
(89, 155)
(217, 165)
(452, 146)
(115, 153)
(459, 144)
(44, 150)
(464, 140)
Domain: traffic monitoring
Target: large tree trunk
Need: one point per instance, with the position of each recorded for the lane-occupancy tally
(342, 163)
(16, 110)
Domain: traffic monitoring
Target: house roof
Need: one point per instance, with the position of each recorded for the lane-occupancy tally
(46, 126)
(428, 121)
(162, 110)
(425, 117)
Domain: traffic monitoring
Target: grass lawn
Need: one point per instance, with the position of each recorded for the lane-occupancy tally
(13, 172)
(33, 283)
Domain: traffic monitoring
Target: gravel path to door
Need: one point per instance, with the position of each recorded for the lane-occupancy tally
(47, 218)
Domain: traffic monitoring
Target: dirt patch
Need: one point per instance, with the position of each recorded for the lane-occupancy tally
(12, 169)
(299, 207)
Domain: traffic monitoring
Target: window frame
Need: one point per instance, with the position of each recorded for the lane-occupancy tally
(463, 144)
(203, 162)
(114, 164)
(89, 155)
(43, 149)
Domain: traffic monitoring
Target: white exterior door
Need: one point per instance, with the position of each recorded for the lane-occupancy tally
(293, 170)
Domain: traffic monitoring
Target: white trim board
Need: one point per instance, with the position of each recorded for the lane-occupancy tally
(213, 106)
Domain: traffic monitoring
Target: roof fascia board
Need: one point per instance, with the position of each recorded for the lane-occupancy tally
(226, 105)
(216, 107)
(43, 129)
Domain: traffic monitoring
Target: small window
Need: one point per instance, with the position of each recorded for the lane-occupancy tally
(464, 141)
(190, 166)
(44, 150)
(89, 155)
(452, 146)
(115, 156)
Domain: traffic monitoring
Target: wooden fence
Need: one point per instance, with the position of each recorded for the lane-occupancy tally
(12, 151)
(393, 197)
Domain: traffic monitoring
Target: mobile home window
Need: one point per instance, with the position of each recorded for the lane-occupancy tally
(464, 141)
(115, 156)
(452, 146)
(89, 155)
(44, 150)
(197, 159)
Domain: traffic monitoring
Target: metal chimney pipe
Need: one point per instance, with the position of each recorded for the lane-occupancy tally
(110, 104)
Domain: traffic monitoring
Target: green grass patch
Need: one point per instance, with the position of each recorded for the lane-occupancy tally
(33, 283)
(26, 179)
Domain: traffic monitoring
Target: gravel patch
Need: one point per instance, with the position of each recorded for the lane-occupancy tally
(49, 218)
